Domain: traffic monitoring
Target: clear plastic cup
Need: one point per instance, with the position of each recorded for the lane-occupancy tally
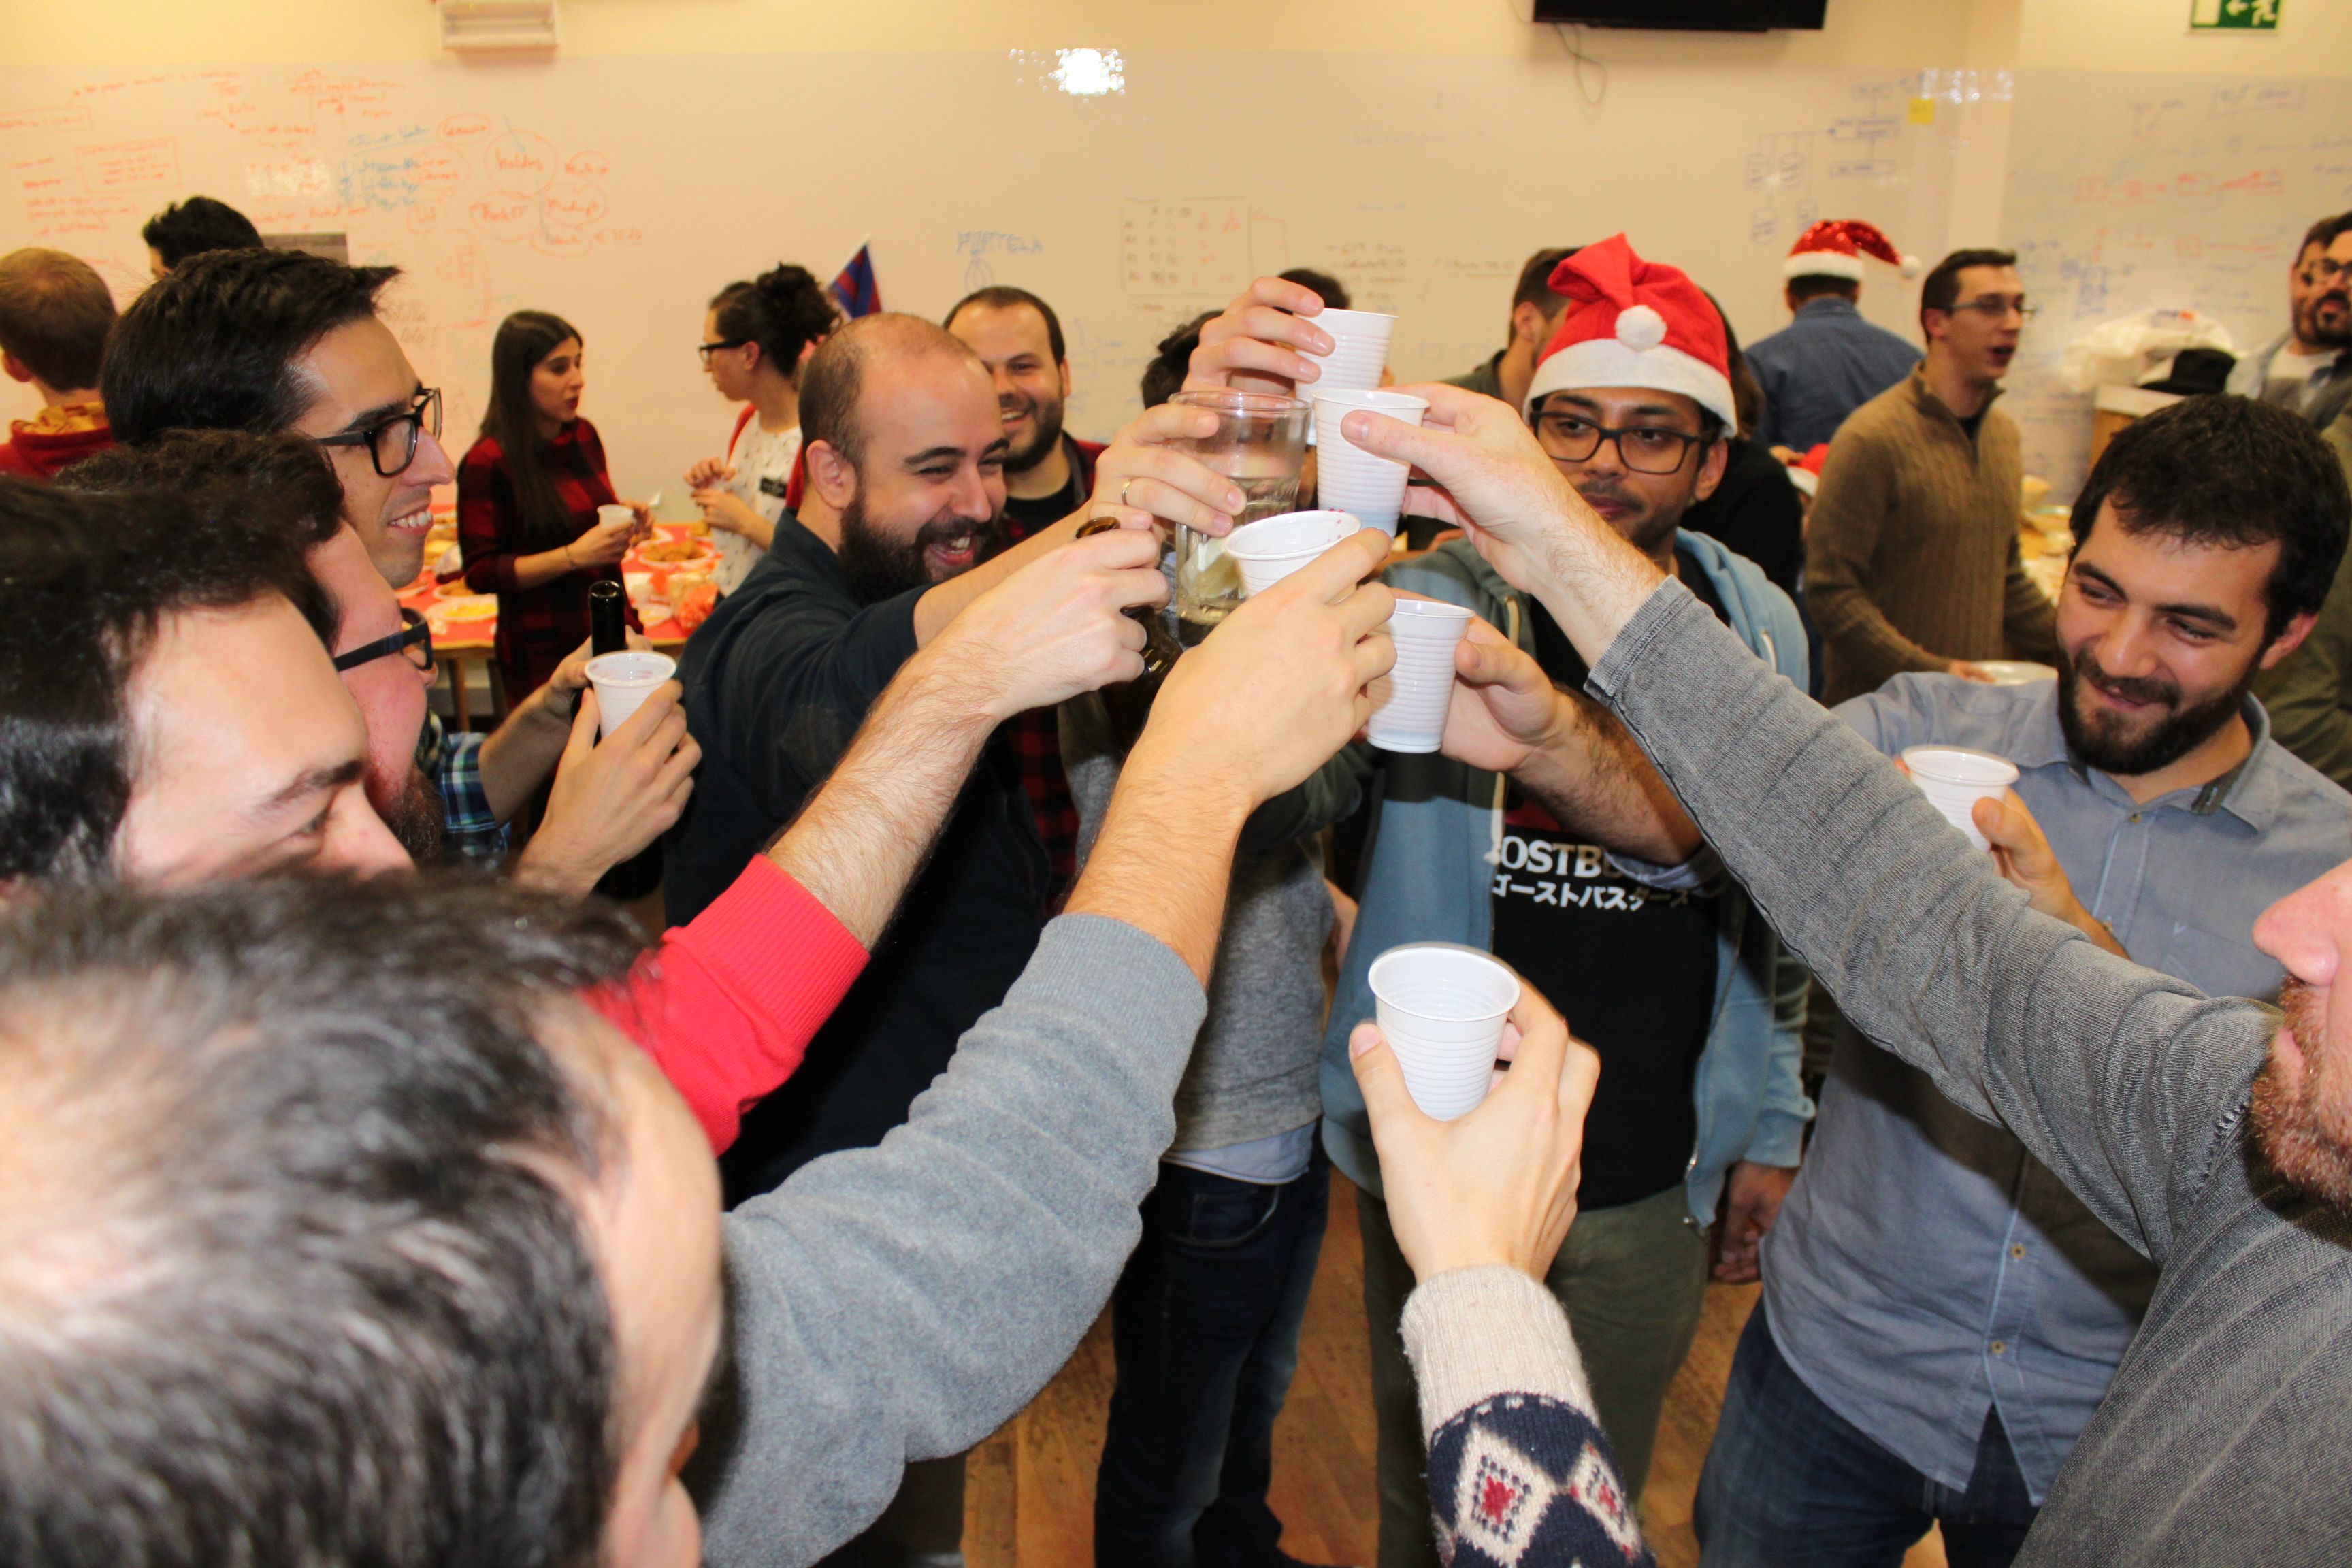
(622, 682)
(1272, 548)
(1409, 702)
(1360, 351)
(1260, 444)
(1348, 477)
(1954, 778)
(1441, 1007)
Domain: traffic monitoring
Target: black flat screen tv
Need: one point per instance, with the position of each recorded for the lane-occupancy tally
(1685, 15)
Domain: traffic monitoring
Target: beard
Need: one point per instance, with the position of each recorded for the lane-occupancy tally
(1045, 434)
(879, 567)
(2290, 1129)
(2112, 746)
(2337, 331)
(414, 817)
(1645, 530)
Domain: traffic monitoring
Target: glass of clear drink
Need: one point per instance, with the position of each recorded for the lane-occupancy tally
(1260, 444)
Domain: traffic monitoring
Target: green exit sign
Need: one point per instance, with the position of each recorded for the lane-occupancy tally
(2248, 16)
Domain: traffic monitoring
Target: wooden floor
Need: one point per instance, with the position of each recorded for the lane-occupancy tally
(1029, 1497)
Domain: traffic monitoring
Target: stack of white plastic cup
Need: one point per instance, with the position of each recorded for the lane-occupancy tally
(1409, 702)
(1359, 351)
(1348, 477)
(622, 682)
(1955, 778)
(1272, 548)
(1442, 1008)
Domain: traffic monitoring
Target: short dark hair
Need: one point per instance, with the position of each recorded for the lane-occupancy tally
(1171, 360)
(2323, 233)
(783, 310)
(836, 377)
(87, 581)
(1002, 297)
(198, 225)
(211, 346)
(1941, 290)
(2231, 471)
(274, 481)
(1821, 285)
(1535, 280)
(1325, 287)
(55, 315)
(343, 1308)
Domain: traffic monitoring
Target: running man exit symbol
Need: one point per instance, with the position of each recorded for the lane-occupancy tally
(2249, 16)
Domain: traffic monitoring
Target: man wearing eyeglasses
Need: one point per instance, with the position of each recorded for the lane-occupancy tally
(1912, 553)
(2307, 369)
(268, 341)
(1591, 882)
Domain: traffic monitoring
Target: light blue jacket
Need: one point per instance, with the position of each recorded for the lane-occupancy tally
(1431, 871)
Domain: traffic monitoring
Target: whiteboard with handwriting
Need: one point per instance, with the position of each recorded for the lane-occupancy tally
(623, 192)
(2126, 193)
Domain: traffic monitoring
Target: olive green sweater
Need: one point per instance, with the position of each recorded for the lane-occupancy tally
(1911, 549)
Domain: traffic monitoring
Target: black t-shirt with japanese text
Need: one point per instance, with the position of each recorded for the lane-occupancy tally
(1632, 968)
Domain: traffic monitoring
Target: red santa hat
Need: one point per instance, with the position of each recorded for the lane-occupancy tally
(1834, 248)
(1631, 322)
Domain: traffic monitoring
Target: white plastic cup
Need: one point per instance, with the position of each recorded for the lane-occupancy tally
(1360, 351)
(1347, 476)
(1272, 548)
(622, 682)
(1441, 1007)
(1954, 778)
(607, 516)
(1409, 702)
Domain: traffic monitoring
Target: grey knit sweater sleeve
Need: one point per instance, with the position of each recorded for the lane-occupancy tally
(901, 1302)
(2124, 1081)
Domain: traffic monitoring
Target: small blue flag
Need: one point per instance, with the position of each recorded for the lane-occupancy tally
(853, 288)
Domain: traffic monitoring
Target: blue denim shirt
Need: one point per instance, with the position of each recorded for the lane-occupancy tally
(1819, 368)
(1925, 1267)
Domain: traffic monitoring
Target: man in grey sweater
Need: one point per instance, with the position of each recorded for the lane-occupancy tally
(2201, 1132)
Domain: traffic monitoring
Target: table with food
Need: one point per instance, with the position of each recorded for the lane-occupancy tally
(667, 575)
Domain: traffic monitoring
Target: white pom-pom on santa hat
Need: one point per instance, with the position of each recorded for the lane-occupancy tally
(1910, 266)
(1640, 328)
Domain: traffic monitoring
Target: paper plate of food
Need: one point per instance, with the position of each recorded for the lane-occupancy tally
(677, 553)
(473, 607)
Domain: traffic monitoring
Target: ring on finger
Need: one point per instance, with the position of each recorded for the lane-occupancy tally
(1122, 489)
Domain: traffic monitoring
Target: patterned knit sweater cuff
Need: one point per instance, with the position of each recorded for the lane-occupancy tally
(1520, 1475)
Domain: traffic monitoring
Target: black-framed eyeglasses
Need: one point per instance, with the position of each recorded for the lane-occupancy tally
(413, 642)
(2328, 269)
(1993, 307)
(1574, 439)
(391, 441)
(706, 349)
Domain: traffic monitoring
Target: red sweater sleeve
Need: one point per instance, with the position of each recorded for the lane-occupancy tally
(728, 1003)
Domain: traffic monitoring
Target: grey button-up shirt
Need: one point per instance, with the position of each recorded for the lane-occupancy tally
(1925, 1266)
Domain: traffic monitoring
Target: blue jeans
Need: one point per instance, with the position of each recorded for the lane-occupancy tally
(1788, 1480)
(1206, 1326)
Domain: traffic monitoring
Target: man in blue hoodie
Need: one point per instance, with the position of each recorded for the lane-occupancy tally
(1591, 882)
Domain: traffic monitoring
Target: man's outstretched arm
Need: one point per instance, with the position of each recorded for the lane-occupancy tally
(901, 1301)
(727, 1004)
(2118, 1078)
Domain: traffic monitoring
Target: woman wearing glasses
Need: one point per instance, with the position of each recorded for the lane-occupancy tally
(755, 339)
(527, 492)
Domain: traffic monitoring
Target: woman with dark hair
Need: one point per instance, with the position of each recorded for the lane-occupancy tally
(527, 492)
(755, 338)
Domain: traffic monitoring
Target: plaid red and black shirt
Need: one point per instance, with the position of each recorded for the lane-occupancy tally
(538, 628)
(1036, 735)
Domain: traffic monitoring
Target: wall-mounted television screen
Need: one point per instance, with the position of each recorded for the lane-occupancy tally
(1687, 16)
